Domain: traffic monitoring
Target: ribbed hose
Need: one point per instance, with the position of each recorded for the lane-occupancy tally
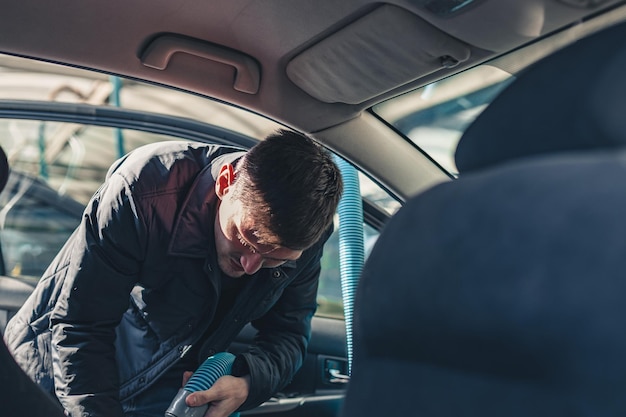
(351, 247)
(214, 367)
(202, 379)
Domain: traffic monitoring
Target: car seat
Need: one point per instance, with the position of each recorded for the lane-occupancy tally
(503, 293)
(19, 395)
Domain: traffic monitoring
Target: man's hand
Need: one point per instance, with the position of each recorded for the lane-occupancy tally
(225, 396)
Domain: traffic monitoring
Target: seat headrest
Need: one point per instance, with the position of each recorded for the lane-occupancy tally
(572, 100)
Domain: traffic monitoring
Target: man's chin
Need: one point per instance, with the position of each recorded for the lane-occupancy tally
(229, 269)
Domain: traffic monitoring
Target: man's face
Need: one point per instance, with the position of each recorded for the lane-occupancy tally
(238, 249)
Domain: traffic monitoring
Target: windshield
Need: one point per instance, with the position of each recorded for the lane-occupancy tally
(435, 116)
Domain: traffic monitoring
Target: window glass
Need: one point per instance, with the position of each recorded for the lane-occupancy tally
(377, 195)
(434, 117)
(55, 168)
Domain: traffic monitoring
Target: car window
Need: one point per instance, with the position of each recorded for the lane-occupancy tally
(435, 116)
(56, 166)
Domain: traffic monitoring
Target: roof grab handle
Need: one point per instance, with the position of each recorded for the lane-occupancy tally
(247, 70)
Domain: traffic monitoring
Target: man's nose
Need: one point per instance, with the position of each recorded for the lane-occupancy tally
(251, 262)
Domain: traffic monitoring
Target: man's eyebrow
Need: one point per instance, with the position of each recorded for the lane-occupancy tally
(254, 248)
(241, 235)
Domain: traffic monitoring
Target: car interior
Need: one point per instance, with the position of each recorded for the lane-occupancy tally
(482, 140)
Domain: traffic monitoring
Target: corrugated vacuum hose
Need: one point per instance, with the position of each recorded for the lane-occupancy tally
(202, 379)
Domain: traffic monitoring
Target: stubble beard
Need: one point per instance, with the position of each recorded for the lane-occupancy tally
(226, 266)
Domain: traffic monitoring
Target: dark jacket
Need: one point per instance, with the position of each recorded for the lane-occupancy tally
(137, 284)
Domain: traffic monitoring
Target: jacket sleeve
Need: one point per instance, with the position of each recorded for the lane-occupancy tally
(99, 264)
(283, 333)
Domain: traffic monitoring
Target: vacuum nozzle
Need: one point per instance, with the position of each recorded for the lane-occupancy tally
(202, 379)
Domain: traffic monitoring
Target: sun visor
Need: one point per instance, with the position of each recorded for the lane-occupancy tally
(386, 48)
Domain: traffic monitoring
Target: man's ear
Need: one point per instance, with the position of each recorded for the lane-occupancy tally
(224, 180)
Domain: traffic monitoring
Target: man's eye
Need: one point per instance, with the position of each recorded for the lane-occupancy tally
(245, 244)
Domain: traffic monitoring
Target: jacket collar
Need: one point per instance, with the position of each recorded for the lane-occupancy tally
(192, 234)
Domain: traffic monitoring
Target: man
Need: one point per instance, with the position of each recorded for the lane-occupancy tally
(181, 247)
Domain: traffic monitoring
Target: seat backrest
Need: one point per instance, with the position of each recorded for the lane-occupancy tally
(503, 293)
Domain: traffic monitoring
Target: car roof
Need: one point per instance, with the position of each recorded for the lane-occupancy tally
(315, 66)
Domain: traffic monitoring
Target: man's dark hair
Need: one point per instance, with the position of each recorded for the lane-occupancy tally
(291, 186)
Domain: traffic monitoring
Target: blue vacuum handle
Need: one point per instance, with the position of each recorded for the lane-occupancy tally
(202, 379)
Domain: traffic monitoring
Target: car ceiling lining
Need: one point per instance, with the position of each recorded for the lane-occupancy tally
(275, 33)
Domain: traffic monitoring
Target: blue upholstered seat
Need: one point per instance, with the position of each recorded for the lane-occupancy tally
(503, 293)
